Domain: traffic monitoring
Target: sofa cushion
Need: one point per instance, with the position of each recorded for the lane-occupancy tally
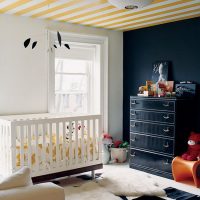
(42, 191)
(20, 178)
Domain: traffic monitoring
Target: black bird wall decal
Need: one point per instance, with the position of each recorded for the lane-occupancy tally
(67, 46)
(34, 44)
(27, 42)
(59, 38)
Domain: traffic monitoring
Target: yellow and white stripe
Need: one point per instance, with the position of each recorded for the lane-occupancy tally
(100, 13)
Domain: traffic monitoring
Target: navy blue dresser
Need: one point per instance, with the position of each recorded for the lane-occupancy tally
(159, 129)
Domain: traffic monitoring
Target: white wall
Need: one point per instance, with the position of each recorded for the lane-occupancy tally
(23, 72)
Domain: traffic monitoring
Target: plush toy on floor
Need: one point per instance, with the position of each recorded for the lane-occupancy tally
(193, 152)
(107, 142)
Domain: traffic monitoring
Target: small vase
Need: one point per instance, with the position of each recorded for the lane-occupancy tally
(106, 154)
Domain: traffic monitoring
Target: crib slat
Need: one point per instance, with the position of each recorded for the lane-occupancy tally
(36, 147)
(44, 130)
(70, 143)
(64, 143)
(76, 141)
(13, 146)
(6, 151)
(3, 145)
(6, 148)
(94, 139)
(50, 145)
(29, 146)
(21, 131)
(10, 149)
(88, 140)
(57, 145)
(2, 149)
(99, 140)
(82, 142)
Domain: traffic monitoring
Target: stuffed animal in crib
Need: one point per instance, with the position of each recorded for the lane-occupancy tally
(107, 142)
(193, 152)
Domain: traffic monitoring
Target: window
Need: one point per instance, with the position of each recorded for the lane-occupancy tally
(72, 85)
(77, 77)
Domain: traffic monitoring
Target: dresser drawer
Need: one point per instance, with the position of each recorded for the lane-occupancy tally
(152, 143)
(152, 128)
(164, 117)
(165, 105)
(150, 160)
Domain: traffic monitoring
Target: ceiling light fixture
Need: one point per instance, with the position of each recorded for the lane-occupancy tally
(130, 4)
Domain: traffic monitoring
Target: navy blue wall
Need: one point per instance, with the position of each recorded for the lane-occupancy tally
(178, 42)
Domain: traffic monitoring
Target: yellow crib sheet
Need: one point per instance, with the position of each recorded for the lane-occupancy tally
(46, 157)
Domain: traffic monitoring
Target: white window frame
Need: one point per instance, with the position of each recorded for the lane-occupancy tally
(80, 38)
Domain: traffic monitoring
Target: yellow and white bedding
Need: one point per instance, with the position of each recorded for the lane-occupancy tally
(45, 159)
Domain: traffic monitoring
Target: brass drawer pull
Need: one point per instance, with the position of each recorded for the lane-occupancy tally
(166, 162)
(166, 145)
(166, 130)
(166, 104)
(166, 116)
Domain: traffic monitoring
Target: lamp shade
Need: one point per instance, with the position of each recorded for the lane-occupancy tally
(130, 4)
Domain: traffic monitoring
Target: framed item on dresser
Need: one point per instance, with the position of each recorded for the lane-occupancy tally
(160, 71)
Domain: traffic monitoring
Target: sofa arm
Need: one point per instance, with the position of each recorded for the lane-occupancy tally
(43, 191)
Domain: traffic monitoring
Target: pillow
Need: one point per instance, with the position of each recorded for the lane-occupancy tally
(20, 178)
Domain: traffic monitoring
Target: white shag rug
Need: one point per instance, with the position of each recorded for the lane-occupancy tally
(121, 182)
(90, 190)
(125, 182)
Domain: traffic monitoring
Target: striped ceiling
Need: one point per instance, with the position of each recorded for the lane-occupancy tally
(100, 13)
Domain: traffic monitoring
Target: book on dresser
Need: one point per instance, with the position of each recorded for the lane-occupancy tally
(159, 129)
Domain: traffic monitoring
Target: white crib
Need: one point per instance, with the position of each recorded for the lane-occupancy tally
(50, 144)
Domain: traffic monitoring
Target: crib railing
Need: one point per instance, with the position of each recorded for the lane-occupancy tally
(50, 145)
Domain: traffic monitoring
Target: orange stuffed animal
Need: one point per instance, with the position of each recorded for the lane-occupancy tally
(193, 152)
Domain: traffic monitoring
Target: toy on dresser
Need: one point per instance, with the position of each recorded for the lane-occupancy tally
(193, 152)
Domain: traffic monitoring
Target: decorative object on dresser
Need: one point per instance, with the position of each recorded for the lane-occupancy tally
(186, 89)
(159, 128)
(160, 71)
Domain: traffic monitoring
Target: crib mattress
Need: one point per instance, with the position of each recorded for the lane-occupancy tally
(44, 151)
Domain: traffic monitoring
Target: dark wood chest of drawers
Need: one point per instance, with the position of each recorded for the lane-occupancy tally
(159, 129)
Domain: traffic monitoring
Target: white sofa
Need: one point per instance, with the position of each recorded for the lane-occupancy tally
(43, 191)
(19, 186)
